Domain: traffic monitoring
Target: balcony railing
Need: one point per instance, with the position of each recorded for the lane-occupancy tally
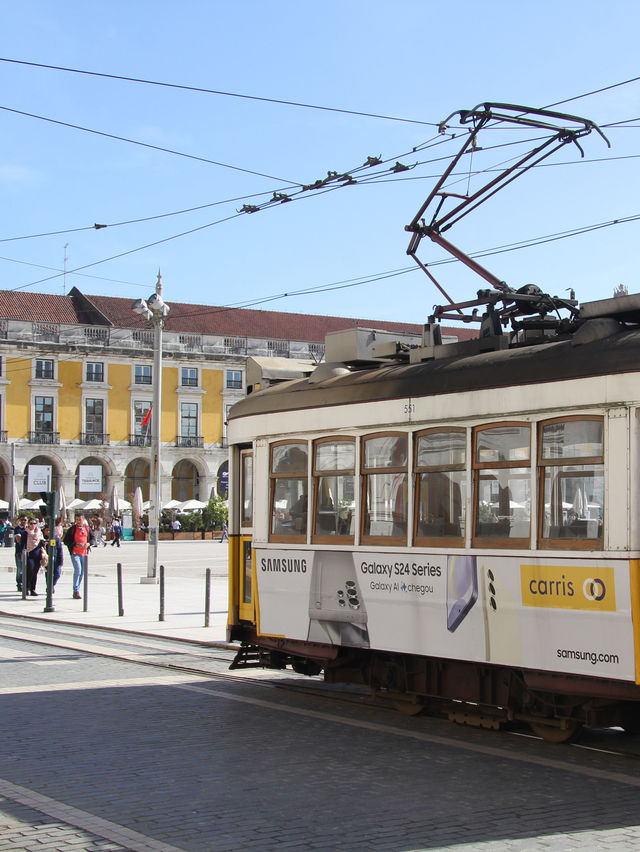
(94, 438)
(140, 440)
(44, 437)
(195, 441)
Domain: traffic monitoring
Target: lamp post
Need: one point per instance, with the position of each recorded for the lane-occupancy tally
(155, 311)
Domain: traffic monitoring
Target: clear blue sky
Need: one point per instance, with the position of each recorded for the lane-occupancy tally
(415, 60)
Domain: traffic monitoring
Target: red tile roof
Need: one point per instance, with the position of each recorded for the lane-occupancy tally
(36, 307)
(81, 308)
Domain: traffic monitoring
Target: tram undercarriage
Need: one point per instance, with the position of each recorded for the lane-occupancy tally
(556, 707)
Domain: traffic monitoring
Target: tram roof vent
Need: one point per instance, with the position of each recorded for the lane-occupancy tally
(353, 345)
(264, 372)
(624, 308)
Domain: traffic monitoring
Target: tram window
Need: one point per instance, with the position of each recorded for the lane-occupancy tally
(572, 482)
(333, 485)
(288, 492)
(247, 490)
(502, 478)
(384, 489)
(440, 486)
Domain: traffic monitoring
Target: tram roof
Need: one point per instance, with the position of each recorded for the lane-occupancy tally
(556, 360)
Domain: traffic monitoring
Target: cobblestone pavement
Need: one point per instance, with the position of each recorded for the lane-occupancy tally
(101, 754)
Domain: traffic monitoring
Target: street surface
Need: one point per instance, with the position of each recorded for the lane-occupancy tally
(137, 741)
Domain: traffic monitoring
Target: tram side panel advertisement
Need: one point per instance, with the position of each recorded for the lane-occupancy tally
(567, 615)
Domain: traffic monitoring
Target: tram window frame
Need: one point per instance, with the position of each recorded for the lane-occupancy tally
(479, 471)
(300, 525)
(366, 474)
(246, 489)
(318, 536)
(580, 467)
(421, 471)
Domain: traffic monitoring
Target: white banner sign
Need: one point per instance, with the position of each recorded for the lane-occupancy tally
(39, 477)
(90, 477)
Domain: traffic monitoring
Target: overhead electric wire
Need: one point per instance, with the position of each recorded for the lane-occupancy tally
(594, 92)
(216, 92)
(125, 253)
(143, 144)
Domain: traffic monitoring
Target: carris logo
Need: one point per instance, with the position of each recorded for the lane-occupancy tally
(568, 587)
(594, 589)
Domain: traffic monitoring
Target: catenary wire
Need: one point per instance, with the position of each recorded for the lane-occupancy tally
(217, 92)
(143, 144)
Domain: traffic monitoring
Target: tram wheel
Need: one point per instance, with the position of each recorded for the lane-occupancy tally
(407, 707)
(554, 734)
(306, 667)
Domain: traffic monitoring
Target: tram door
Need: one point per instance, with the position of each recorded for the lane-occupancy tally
(244, 564)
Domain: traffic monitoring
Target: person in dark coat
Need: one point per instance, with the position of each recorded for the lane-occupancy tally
(58, 554)
(20, 539)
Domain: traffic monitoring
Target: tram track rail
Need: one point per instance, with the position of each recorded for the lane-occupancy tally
(78, 639)
(153, 651)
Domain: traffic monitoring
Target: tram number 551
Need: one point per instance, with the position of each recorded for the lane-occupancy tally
(409, 408)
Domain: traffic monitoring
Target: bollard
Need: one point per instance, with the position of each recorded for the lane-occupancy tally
(120, 604)
(85, 585)
(161, 616)
(23, 561)
(207, 597)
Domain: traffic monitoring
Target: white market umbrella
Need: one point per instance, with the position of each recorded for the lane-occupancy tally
(76, 504)
(114, 503)
(137, 501)
(25, 503)
(62, 502)
(92, 505)
(146, 505)
(172, 504)
(4, 504)
(192, 505)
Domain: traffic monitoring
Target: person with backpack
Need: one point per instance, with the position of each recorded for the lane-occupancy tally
(78, 539)
(116, 530)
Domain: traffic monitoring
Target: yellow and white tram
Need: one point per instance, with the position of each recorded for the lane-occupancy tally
(461, 531)
(455, 525)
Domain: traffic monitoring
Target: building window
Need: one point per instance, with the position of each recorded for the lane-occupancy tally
(234, 379)
(44, 368)
(441, 485)
(502, 479)
(384, 489)
(142, 374)
(140, 410)
(333, 490)
(43, 414)
(189, 377)
(288, 492)
(570, 457)
(95, 371)
(94, 416)
(189, 420)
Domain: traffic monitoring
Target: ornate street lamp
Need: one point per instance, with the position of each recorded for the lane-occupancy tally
(154, 310)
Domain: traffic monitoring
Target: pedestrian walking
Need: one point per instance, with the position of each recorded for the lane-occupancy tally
(225, 532)
(36, 555)
(78, 538)
(20, 540)
(98, 531)
(116, 531)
